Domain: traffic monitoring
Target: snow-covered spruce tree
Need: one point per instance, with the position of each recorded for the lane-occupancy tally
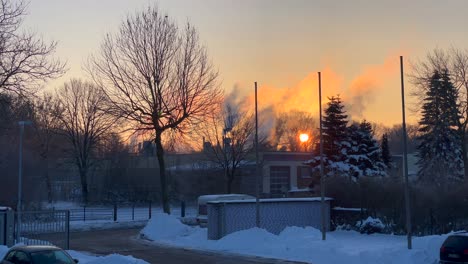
(375, 166)
(440, 159)
(335, 138)
(364, 155)
(355, 157)
(386, 158)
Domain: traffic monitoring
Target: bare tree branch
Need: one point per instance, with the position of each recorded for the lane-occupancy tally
(25, 61)
(158, 77)
(84, 122)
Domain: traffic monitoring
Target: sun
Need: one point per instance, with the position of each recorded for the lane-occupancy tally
(303, 137)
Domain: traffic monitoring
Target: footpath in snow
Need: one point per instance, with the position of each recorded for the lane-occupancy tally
(299, 244)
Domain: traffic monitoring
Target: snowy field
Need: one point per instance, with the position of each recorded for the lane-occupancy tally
(300, 244)
(88, 259)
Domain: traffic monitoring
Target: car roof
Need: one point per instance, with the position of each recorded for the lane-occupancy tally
(35, 248)
(460, 233)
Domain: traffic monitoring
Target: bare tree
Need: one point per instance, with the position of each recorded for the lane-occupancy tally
(84, 123)
(289, 126)
(25, 61)
(46, 123)
(456, 62)
(229, 139)
(157, 76)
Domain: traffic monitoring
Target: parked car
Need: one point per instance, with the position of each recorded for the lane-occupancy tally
(455, 249)
(202, 215)
(37, 255)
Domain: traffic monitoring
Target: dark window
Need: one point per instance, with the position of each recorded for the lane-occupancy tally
(51, 256)
(457, 242)
(11, 256)
(304, 172)
(18, 257)
(279, 179)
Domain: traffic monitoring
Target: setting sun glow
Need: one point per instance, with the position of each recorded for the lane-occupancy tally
(303, 137)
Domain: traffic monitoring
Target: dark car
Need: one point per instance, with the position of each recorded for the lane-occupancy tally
(37, 255)
(455, 249)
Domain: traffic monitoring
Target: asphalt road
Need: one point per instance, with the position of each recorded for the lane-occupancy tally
(126, 242)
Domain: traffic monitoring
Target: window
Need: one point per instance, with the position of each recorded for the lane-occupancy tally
(11, 256)
(279, 179)
(18, 257)
(304, 172)
(51, 256)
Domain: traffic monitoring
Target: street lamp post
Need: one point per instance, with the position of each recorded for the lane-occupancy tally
(20, 177)
(322, 180)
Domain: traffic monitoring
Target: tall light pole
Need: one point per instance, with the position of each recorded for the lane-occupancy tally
(405, 159)
(20, 177)
(257, 179)
(322, 181)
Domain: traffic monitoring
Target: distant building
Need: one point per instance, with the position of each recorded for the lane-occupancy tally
(285, 175)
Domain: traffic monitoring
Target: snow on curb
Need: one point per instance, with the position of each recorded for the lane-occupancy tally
(109, 259)
(299, 244)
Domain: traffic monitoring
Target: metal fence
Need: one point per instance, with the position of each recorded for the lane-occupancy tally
(122, 212)
(43, 228)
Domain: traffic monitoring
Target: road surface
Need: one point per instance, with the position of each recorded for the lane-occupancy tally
(126, 242)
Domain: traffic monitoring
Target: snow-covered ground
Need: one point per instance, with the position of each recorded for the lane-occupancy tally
(300, 244)
(88, 259)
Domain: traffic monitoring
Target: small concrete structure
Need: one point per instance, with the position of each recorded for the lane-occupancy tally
(7, 226)
(226, 217)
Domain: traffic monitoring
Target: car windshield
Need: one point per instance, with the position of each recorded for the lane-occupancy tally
(51, 256)
(457, 242)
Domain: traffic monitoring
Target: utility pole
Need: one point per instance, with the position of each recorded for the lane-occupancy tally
(257, 185)
(322, 181)
(405, 159)
(20, 178)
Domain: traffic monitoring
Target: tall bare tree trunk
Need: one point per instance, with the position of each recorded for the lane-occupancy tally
(84, 185)
(162, 174)
(48, 182)
(229, 184)
(465, 159)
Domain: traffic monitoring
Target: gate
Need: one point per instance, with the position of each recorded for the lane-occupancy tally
(43, 228)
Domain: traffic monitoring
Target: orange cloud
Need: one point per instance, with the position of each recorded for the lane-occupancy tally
(357, 94)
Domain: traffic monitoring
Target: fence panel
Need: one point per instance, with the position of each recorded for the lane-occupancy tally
(43, 228)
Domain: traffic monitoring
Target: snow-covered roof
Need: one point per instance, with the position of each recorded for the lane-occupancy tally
(232, 196)
(274, 200)
(337, 208)
(295, 189)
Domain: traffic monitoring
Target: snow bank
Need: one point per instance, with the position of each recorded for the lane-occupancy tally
(163, 226)
(113, 259)
(3, 251)
(300, 244)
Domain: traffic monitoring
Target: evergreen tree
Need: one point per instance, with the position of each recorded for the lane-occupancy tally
(364, 156)
(439, 151)
(386, 158)
(335, 138)
(375, 166)
(355, 158)
(334, 129)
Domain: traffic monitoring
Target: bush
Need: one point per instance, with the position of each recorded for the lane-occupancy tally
(370, 226)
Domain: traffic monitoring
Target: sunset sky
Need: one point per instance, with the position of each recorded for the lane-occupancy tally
(281, 44)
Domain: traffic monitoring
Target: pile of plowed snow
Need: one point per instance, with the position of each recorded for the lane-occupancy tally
(300, 244)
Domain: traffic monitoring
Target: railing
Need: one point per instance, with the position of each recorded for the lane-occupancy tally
(122, 212)
(43, 228)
